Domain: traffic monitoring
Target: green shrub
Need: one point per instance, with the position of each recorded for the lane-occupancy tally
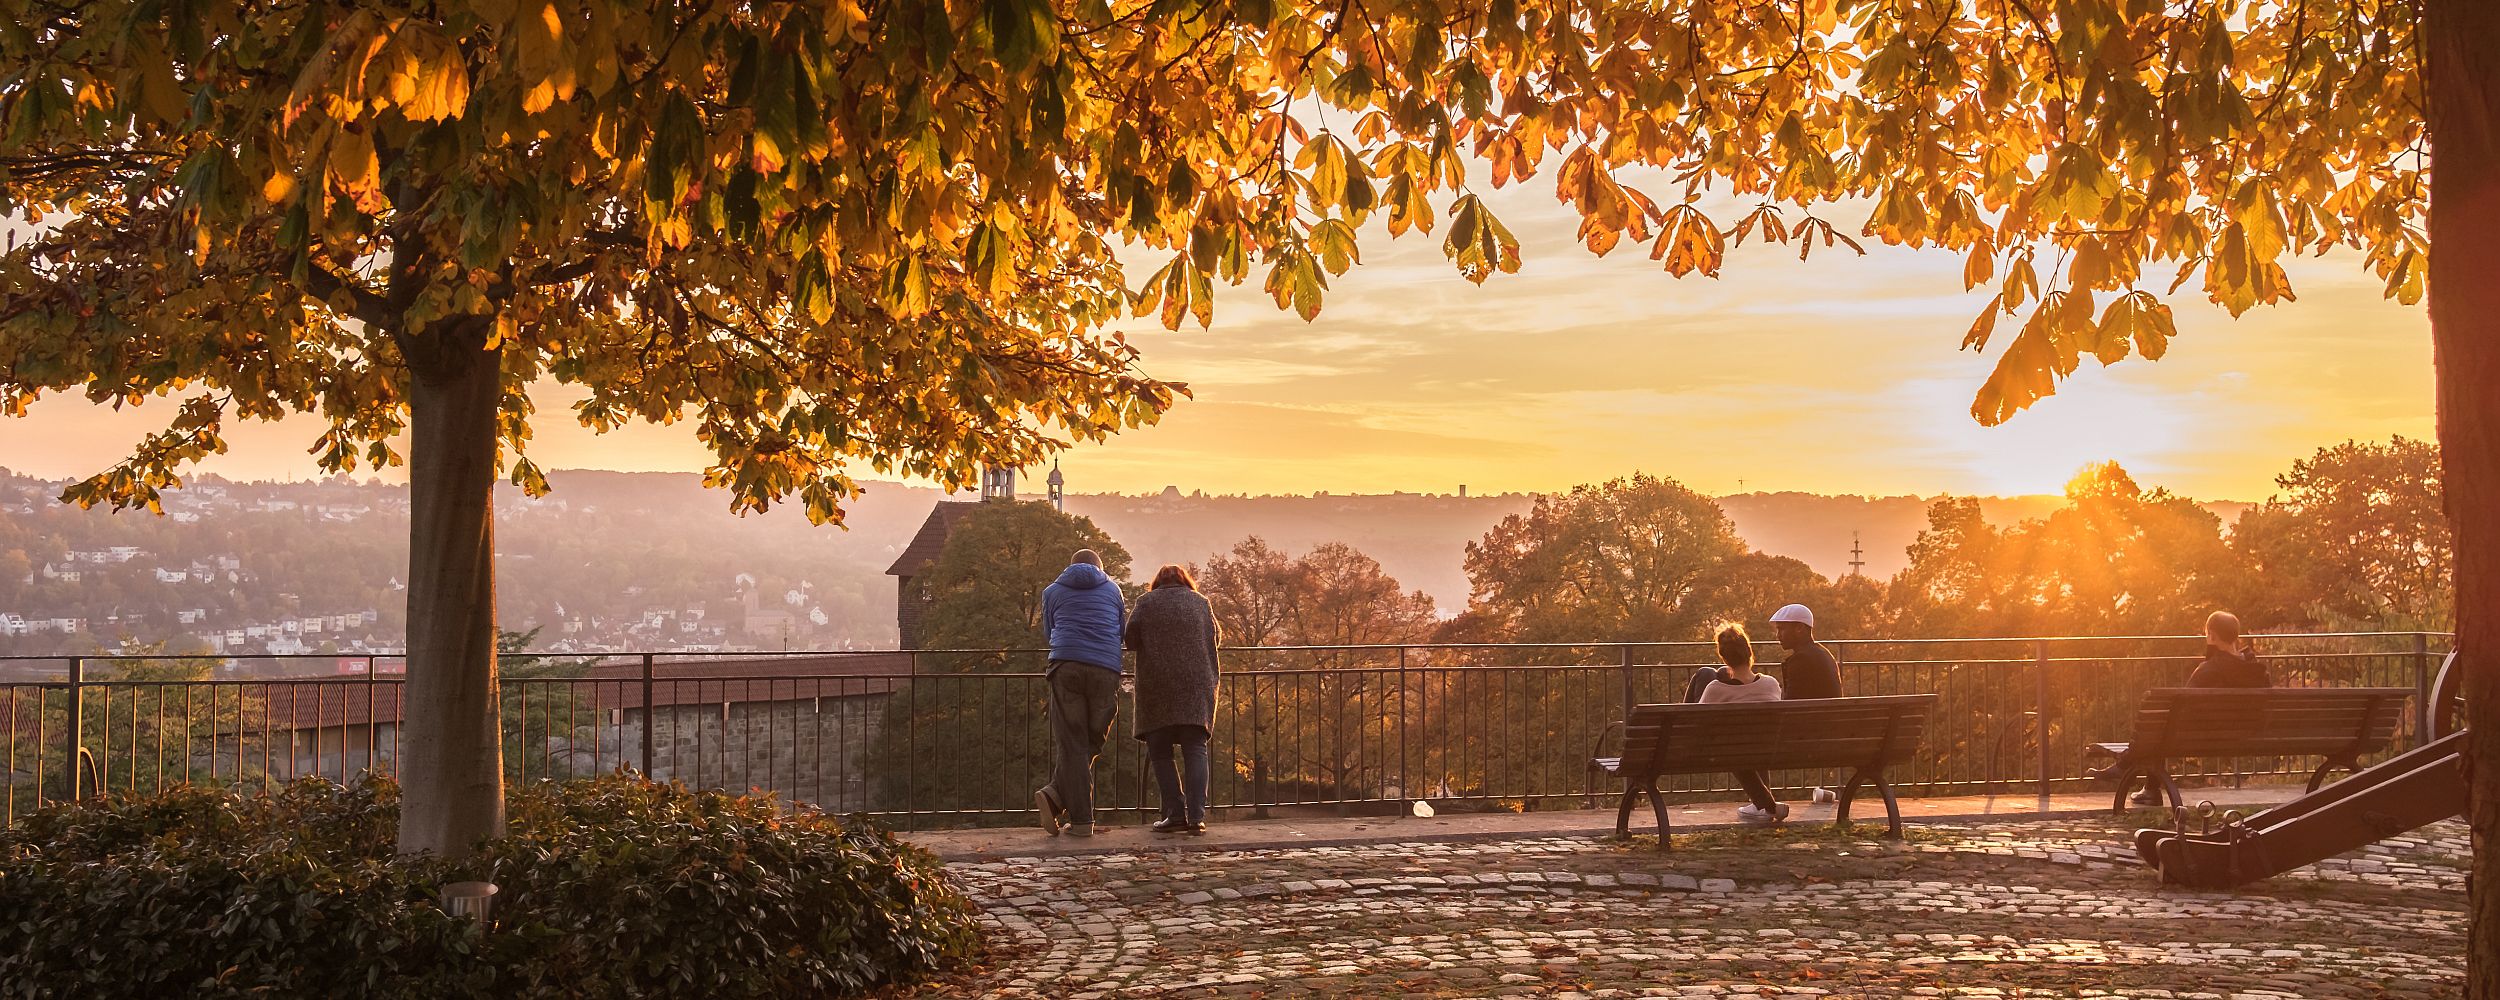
(610, 887)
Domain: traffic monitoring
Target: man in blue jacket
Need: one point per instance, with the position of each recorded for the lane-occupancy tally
(1082, 614)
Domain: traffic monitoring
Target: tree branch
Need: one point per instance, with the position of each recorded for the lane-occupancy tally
(322, 286)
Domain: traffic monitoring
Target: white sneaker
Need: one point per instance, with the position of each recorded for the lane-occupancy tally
(1822, 794)
(1748, 813)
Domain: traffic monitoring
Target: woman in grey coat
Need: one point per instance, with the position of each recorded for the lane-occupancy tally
(1173, 632)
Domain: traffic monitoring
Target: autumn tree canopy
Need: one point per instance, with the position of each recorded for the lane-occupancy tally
(840, 233)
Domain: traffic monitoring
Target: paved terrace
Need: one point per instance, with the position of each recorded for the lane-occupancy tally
(2004, 897)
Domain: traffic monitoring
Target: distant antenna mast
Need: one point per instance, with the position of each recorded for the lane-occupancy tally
(1857, 556)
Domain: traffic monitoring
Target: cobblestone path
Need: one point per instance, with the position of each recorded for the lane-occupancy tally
(2019, 910)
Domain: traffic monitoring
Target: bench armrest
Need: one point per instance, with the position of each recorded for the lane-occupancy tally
(1597, 749)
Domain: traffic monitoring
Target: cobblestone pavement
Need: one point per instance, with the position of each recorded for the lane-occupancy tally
(2017, 910)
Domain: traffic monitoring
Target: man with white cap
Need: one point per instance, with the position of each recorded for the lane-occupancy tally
(1810, 671)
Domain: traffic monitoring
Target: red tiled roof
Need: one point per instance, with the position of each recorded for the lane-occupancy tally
(306, 705)
(618, 683)
(931, 540)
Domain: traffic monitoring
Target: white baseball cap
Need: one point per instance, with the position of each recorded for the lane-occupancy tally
(1798, 613)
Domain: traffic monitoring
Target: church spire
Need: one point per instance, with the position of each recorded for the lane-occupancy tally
(1058, 487)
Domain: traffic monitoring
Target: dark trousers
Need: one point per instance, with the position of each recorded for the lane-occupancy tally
(1083, 698)
(1755, 788)
(1183, 785)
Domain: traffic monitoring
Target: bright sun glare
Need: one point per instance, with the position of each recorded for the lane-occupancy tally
(2043, 447)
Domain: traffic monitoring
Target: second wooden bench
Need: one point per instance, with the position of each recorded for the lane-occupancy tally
(2339, 724)
(1865, 735)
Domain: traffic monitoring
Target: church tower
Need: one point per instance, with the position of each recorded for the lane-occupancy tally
(998, 482)
(1058, 488)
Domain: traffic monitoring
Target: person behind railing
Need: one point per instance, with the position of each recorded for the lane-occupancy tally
(1734, 683)
(1810, 671)
(1082, 614)
(1173, 632)
(2230, 662)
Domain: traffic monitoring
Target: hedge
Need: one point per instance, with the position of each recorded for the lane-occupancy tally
(609, 887)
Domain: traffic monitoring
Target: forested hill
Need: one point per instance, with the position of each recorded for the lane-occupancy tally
(653, 558)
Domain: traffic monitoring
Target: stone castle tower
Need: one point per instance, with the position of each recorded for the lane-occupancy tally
(911, 605)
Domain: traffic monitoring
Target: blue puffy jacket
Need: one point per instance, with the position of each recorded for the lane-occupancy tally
(1083, 614)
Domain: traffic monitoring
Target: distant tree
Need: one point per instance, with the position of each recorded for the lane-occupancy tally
(1343, 598)
(2116, 558)
(2119, 558)
(985, 589)
(1748, 586)
(1316, 716)
(1854, 607)
(1252, 589)
(17, 572)
(2359, 537)
(1616, 561)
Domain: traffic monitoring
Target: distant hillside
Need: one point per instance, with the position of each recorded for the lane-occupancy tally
(645, 560)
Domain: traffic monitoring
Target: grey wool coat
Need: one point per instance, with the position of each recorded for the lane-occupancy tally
(1173, 632)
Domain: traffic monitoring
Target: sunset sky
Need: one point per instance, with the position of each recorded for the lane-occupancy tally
(1834, 375)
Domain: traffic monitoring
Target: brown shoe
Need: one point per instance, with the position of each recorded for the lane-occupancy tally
(1047, 805)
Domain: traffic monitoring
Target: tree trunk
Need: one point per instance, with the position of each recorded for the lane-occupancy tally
(2463, 38)
(451, 747)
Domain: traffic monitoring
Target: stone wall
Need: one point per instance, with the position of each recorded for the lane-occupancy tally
(809, 750)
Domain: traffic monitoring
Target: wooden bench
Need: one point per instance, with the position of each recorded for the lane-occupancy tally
(2340, 724)
(1865, 735)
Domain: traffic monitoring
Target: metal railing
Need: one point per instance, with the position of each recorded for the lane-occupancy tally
(956, 737)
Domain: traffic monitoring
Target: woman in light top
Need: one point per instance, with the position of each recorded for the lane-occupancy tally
(1737, 682)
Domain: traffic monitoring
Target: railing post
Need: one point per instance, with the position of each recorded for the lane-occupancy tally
(1406, 793)
(76, 729)
(2422, 690)
(1631, 694)
(2040, 706)
(911, 741)
(646, 716)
